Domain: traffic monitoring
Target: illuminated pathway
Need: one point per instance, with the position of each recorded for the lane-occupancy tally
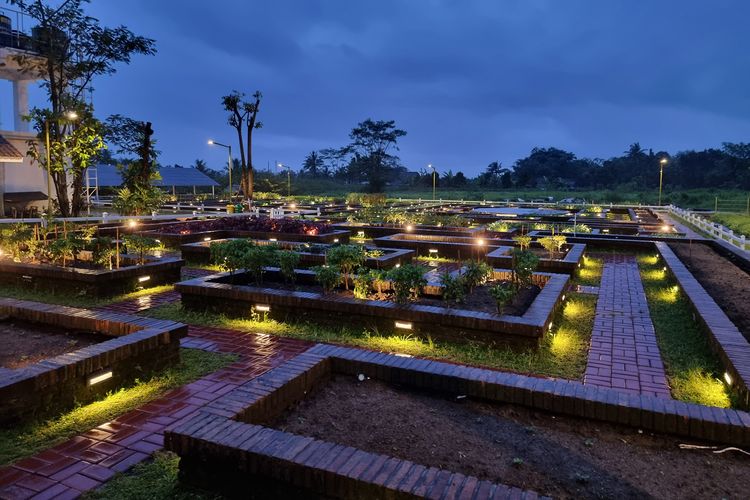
(624, 353)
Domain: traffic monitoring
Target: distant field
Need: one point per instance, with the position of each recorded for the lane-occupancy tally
(738, 223)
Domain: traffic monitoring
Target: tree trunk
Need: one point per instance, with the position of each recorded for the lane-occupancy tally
(248, 176)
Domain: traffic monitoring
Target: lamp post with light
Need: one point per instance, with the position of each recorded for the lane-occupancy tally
(211, 142)
(288, 178)
(662, 163)
(71, 116)
(434, 180)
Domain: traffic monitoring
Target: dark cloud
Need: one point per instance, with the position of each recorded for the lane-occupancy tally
(471, 81)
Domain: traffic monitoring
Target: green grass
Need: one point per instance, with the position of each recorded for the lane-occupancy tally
(32, 437)
(563, 353)
(590, 272)
(157, 478)
(739, 223)
(693, 371)
(68, 299)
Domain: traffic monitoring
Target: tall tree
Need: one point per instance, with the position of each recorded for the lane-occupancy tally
(313, 165)
(135, 139)
(370, 147)
(74, 49)
(243, 117)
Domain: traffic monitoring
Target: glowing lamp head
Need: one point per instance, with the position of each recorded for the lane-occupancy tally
(132, 223)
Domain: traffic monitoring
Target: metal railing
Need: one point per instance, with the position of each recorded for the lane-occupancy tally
(713, 229)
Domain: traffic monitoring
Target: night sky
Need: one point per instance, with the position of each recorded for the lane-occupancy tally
(470, 81)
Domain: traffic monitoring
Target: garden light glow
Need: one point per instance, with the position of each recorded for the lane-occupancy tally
(99, 377)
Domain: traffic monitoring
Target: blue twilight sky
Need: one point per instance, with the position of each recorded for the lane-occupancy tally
(470, 81)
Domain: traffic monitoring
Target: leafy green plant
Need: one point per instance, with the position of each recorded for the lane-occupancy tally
(230, 255)
(102, 251)
(138, 201)
(475, 273)
(328, 277)
(560, 240)
(257, 258)
(524, 241)
(549, 244)
(363, 281)
(288, 261)
(454, 287)
(346, 258)
(379, 280)
(408, 281)
(524, 264)
(503, 294)
(141, 245)
(66, 247)
(498, 227)
(16, 240)
(579, 228)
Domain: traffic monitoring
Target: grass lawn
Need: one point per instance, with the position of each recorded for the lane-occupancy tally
(692, 369)
(68, 299)
(32, 437)
(590, 272)
(562, 354)
(739, 223)
(156, 478)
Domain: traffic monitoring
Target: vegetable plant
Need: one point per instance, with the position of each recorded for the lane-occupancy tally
(327, 276)
(16, 240)
(475, 273)
(257, 258)
(230, 254)
(379, 280)
(363, 281)
(454, 287)
(408, 281)
(288, 261)
(66, 247)
(498, 227)
(549, 244)
(523, 265)
(502, 293)
(141, 245)
(524, 241)
(102, 251)
(346, 258)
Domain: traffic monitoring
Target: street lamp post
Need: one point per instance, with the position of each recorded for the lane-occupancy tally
(229, 165)
(72, 116)
(288, 178)
(434, 180)
(662, 164)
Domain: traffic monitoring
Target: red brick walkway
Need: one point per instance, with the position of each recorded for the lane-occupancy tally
(86, 461)
(624, 353)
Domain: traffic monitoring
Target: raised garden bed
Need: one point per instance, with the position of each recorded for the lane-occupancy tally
(232, 446)
(91, 281)
(361, 230)
(566, 263)
(310, 254)
(453, 247)
(232, 295)
(261, 228)
(135, 347)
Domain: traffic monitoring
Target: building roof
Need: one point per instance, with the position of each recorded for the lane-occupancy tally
(8, 152)
(24, 196)
(109, 176)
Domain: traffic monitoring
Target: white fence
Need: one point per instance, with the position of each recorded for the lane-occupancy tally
(713, 229)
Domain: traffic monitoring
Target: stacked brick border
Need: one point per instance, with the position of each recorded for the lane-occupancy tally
(727, 341)
(177, 239)
(227, 444)
(225, 447)
(440, 322)
(98, 282)
(60, 382)
(378, 231)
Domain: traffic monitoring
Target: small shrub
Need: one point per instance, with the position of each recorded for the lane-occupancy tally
(524, 264)
(288, 261)
(498, 227)
(141, 245)
(560, 240)
(579, 228)
(328, 277)
(549, 244)
(524, 241)
(363, 283)
(379, 280)
(230, 255)
(102, 251)
(346, 258)
(454, 287)
(503, 294)
(476, 273)
(16, 240)
(66, 247)
(257, 258)
(408, 281)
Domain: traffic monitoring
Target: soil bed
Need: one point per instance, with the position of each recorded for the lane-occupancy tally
(558, 456)
(726, 283)
(23, 343)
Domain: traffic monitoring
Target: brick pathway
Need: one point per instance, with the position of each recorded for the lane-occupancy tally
(88, 460)
(624, 354)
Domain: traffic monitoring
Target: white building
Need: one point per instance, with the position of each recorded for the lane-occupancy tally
(23, 185)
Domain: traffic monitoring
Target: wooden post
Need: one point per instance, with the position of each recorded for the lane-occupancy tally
(716, 205)
(117, 245)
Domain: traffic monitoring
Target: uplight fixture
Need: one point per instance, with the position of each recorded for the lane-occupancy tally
(262, 307)
(143, 278)
(404, 325)
(98, 377)
(728, 378)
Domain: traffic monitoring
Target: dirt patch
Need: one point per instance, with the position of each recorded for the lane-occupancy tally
(23, 343)
(558, 456)
(725, 282)
(481, 300)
